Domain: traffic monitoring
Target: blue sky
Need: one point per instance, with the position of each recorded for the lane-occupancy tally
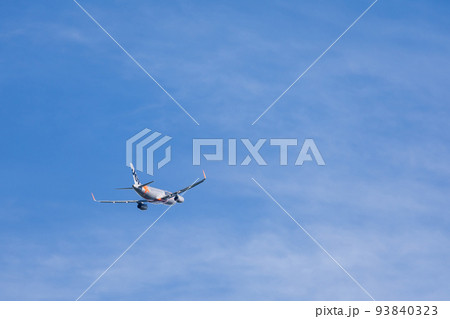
(375, 104)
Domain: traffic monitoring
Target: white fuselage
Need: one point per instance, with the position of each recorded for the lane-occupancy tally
(153, 195)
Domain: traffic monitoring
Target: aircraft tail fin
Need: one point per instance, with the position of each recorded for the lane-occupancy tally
(135, 177)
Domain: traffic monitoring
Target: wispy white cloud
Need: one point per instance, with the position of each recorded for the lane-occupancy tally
(374, 105)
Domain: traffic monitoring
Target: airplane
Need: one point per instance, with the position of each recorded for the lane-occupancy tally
(151, 194)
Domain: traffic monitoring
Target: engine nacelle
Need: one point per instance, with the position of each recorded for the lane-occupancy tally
(179, 199)
(142, 206)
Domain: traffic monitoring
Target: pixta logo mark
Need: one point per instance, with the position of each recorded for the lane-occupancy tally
(144, 145)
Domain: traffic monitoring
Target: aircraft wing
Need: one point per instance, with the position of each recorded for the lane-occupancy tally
(184, 189)
(120, 201)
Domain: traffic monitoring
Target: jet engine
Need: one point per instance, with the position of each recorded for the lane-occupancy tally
(142, 206)
(179, 199)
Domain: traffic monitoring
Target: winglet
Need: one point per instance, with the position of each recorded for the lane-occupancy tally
(204, 175)
(93, 197)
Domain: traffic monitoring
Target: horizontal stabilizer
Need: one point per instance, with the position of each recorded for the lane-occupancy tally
(133, 188)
